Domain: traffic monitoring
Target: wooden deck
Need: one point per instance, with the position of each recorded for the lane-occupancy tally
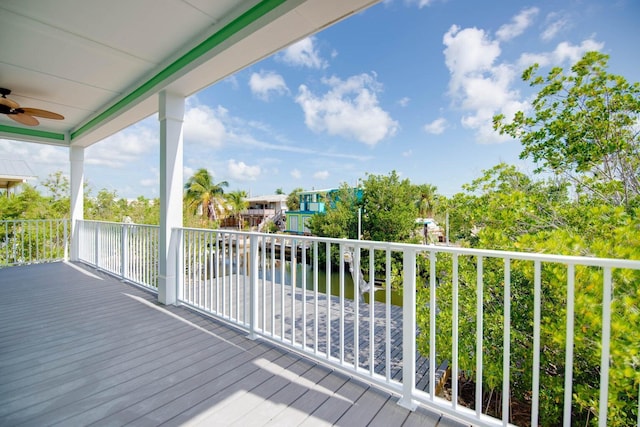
(78, 347)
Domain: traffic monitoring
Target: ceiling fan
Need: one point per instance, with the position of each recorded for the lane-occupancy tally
(23, 115)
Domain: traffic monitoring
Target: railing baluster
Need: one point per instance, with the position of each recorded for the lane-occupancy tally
(253, 295)
(372, 308)
(237, 278)
(224, 273)
(568, 373)
(506, 343)
(315, 297)
(341, 337)
(282, 285)
(387, 323)
(218, 270)
(535, 386)
(432, 325)
(328, 293)
(263, 268)
(357, 295)
(454, 333)
(605, 346)
(273, 286)
(303, 327)
(479, 339)
(123, 251)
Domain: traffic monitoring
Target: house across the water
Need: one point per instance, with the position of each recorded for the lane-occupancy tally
(263, 209)
(311, 203)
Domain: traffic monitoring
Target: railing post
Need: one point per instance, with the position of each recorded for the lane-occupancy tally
(408, 330)
(253, 292)
(124, 252)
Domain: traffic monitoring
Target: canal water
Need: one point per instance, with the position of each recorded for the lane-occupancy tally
(306, 271)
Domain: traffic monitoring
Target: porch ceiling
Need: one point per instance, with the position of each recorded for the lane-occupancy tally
(101, 63)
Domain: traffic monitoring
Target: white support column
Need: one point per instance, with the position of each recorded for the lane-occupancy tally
(171, 116)
(76, 159)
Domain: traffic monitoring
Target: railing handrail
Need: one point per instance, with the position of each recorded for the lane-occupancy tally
(494, 253)
(126, 224)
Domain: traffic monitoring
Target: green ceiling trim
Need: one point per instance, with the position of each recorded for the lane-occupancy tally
(32, 132)
(214, 40)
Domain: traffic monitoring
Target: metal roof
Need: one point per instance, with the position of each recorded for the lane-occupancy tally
(14, 172)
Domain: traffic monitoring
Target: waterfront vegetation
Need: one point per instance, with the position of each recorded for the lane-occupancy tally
(584, 199)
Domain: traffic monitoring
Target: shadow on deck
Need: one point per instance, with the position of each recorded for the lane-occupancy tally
(79, 347)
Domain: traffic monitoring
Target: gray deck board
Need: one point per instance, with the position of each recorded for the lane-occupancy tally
(80, 349)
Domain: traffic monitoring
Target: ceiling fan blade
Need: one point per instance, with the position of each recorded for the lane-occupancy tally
(42, 113)
(9, 102)
(25, 119)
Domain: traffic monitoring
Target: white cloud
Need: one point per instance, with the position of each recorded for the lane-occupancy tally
(242, 172)
(479, 86)
(123, 148)
(304, 54)
(518, 24)
(437, 126)
(407, 153)
(468, 51)
(187, 172)
(554, 24)
(482, 85)
(564, 52)
(204, 125)
(321, 175)
(152, 182)
(296, 174)
(420, 3)
(266, 83)
(350, 109)
(404, 101)
(233, 81)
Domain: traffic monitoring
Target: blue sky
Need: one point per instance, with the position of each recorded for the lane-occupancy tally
(407, 85)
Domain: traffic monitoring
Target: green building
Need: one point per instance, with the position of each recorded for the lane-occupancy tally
(311, 203)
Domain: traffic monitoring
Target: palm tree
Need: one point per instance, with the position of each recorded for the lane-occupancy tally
(201, 191)
(293, 200)
(238, 203)
(426, 200)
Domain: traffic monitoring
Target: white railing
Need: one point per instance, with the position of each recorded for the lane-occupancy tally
(129, 251)
(498, 319)
(33, 241)
(262, 212)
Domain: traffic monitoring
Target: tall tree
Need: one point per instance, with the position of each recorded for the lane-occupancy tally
(340, 218)
(237, 201)
(203, 193)
(426, 200)
(585, 125)
(389, 210)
